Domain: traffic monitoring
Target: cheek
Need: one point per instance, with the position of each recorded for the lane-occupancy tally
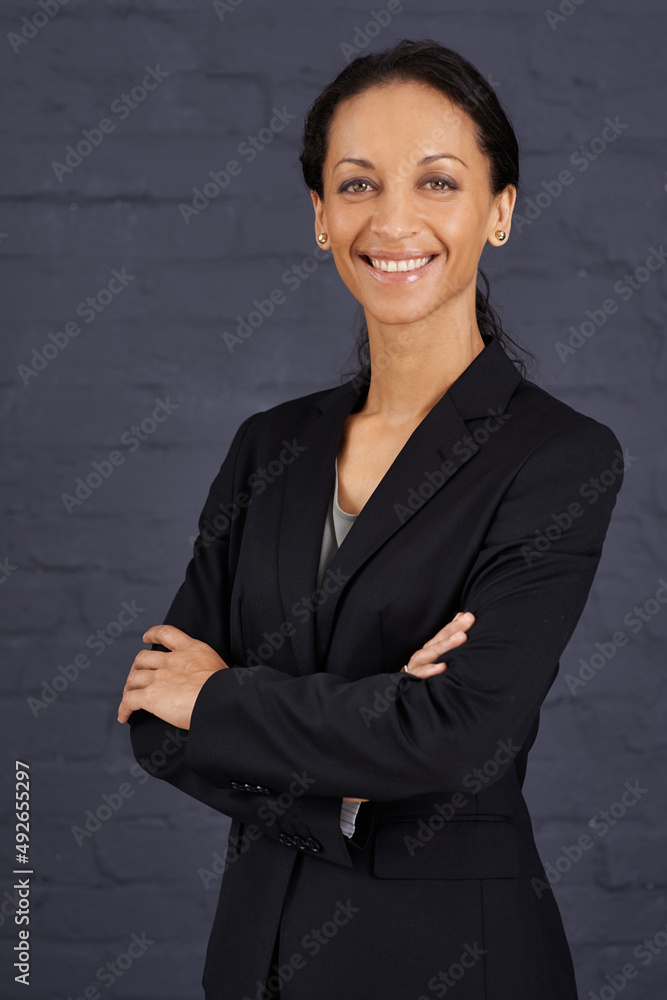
(343, 220)
(463, 219)
(346, 271)
(464, 237)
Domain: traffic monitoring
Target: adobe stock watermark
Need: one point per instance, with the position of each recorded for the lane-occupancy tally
(581, 158)
(88, 309)
(111, 802)
(636, 618)
(474, 782)
(364, 34)
(109, 973)
(645, 952)
(444, 980)
(31, 26)
(268, 812)
(6, 569)
(10, 905)
(222, 7)
(292, 278)
(122, 107)
(219, 864)
(385, 698)
(464, 448)
(625, 288)
(565, 11)
(562, 521)
(98, 642)
(212, 527)
(249, 148)
(302, 610)
(131, 439)
(171, 744)
(312, 943)
(601, 823)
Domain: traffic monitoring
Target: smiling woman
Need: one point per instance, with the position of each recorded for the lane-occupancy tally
(423, 225)
(357, 657)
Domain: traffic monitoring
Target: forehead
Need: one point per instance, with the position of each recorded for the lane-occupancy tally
(403, 116)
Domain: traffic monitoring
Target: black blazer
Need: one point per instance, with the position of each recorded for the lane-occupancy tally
(498, 503)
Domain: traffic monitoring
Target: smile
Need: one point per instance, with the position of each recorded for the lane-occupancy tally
(411, 264)
(396, 271)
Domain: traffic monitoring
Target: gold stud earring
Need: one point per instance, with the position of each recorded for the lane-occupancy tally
(501, 234)
(322, 238)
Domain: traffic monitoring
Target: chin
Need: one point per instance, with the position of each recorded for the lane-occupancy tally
(399, 317)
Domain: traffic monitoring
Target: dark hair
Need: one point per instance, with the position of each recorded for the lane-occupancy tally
(428, 62)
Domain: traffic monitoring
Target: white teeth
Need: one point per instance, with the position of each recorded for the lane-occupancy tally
(399, 265)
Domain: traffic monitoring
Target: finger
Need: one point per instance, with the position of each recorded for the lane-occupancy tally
(131, 701)
(427, 670)
(149, 659)
(124, 711)
(436, 647)
(464, 620)
(166, 635)
(139, 678)
(426, 656)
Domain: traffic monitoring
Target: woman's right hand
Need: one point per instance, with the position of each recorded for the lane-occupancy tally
(422, 663)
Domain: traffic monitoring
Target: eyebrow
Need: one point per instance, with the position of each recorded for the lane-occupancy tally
(423, 162)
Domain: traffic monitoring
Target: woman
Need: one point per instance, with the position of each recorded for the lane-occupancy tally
(370, 739)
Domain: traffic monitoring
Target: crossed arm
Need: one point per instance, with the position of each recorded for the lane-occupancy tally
(168, 683)
(526, 604)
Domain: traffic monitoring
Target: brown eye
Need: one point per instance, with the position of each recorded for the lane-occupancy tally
(349, 184)
(442, 181)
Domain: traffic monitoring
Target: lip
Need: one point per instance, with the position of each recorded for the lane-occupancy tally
(402, 255)
(398, 277)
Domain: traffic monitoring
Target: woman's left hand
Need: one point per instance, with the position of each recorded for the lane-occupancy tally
(167, 684)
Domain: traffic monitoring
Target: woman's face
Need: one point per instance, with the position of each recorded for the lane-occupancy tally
(390, 206)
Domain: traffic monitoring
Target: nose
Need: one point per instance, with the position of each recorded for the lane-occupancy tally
(394, 215)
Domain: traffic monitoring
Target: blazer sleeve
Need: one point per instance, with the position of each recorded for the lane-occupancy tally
(389, 735)
(201, 609)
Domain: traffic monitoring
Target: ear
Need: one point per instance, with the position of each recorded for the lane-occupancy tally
(320, 214)
(501, 215)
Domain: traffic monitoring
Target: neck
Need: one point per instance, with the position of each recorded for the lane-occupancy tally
(411, 368)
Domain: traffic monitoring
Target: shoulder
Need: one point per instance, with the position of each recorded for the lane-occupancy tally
(547, 421)
(562, 452)
(291, 414)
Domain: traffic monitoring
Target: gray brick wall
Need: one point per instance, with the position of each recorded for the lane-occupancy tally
(116, 301)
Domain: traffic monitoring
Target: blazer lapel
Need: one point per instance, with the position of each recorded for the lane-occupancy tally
(438, 447)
